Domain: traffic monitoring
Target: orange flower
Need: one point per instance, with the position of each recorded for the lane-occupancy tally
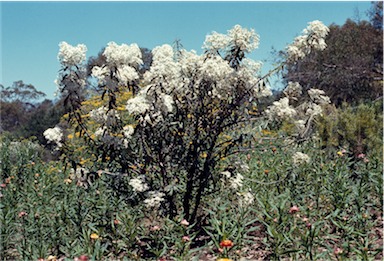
(94, 236)
(226, 243)
(266, 172)
(224, 259)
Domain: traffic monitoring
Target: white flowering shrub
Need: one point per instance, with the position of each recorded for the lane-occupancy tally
(171, 134)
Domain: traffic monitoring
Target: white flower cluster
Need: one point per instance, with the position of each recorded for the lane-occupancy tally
(164, 68)
(100, 73)
(154, 199)
(138, 184)
(246, 198)
(104, 116)
(127, 133)
(246, 40)
(126, 74)
(215, 69)
(318, 96)
(280, 110)
(100, 131)
(122, 61)
(54, 135)
(237, 181)
(300, 158)
(119, 55)
(80, 176)
(138, 105)
(237, 37)
(71, 55)
(313, 37)
(216, 41)
(168, 102)
(293, 90)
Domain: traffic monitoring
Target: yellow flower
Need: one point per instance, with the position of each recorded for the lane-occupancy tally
(94, 236)
(70, 136)
(67, 181)
(203, 155)
(340, 153)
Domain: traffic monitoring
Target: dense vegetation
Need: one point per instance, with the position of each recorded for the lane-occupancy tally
(170, 155)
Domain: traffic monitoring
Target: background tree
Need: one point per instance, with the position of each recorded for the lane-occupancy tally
(350, 68)
(22, 116)
(376, 15)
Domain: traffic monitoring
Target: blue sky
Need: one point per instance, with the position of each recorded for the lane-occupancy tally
(31, 31)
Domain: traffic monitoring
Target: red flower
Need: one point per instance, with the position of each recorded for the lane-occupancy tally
(2, 185)
(226, 243)
(83, 258)
(294, 209)
(22, 214)
(184, 222)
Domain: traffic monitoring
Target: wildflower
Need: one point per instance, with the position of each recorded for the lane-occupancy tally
(22, 214)
(94, 236)
(138, 184)
(226, 174)
(293, 90)
(126, 74)
(338, 251)
(226, 243)
(116, 221)
(1, 195)
(340, 153)
(308, 225)
(7, 180)
(237, 182)
(168, 102)
(155, 228)
(124, 54)
(82, 258)
(3, 185)
(184, 222)
(138, 104)
(186, 239)
(51, 258)
(246, 198)
(67, 181)
(361, 156)
(294, 209)
(300, 158)
(280, 110)
(154, 199)
(54, 135)
(318, 96)
(224, 259)
(71, 55)
(266, 172)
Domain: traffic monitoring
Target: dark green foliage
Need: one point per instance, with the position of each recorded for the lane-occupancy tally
(358, 128)
(349, 69)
